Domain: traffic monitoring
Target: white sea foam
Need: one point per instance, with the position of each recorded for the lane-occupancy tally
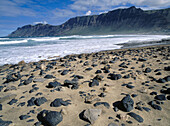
(4, 38)
(53, 46)
(44, 39)
(12, 42)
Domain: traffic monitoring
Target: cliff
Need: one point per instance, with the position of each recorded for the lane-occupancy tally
(121, 21)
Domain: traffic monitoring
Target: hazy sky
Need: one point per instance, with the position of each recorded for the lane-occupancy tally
(16, 13)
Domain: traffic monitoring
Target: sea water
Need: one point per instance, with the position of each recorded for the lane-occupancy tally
(13, 50)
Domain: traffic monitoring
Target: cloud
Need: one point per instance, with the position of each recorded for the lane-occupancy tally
(41, 22)
(81, 7)
(63, 12)
(15, 8)
(103, 5)
(88, 12)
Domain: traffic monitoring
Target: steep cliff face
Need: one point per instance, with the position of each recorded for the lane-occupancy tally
(130, 20)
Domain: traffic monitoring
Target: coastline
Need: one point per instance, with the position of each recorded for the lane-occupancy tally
(132, 45)
(96, 80)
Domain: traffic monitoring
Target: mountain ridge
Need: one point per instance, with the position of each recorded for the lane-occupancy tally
(120, 21)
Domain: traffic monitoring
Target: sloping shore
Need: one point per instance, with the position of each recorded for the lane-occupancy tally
(110, 88)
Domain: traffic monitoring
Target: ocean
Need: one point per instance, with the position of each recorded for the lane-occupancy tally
(13, 50)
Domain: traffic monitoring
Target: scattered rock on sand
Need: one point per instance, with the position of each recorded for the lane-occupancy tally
(115, 76)
(94, 83)
(136, 117)
(23, 117)
(58, 102)
(50, 118)
(13, 77)
(127, 103)
(40, 101)
(49, 76)
(92, 115)
(10, 88)
(12, 101)
(160, 97)
(0, 107)
(153, 105)
(53, 84)
(102, 103)
(5, 123)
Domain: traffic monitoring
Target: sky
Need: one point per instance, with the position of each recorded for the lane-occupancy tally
(17, 13)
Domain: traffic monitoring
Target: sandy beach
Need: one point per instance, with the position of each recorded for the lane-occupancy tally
(124, 87)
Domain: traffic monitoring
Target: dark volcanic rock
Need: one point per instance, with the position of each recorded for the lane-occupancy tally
(102, 95)
(88, 69)
(102, 103)
(28, 81)
(126, 76)
(42, 72)
(34, 89)
(73, 84)
(139, 108)
(94, 83)
(21, 104)
(31, 102)
(160, 80)
(23, 117)
(167, 78)
(5, 123)
(130, 86)
(40, 101)
(12, 101)
(146, 109)
(50, 118)
(127, 103)
(58, 102)
(53, 84)
(10, 88)
(153, 93)
(98, 71)
(167, 68)
(37, 124)
(0, 107)
(157, 107)
(147, 70)
(167, 91)
(49, 76)
(134, 95)
(64, 72)
(115, 76)
(153, 105)
(160, 97)
(13, 77)
(1, 88)
(30, 120)
(78, 76)
(142, 59)
(136, 117)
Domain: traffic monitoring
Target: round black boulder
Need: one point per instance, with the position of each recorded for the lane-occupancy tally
(50, 118)
(127, 103)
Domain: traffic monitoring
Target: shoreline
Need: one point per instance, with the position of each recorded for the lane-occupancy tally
(133, 45)
(91, 82)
